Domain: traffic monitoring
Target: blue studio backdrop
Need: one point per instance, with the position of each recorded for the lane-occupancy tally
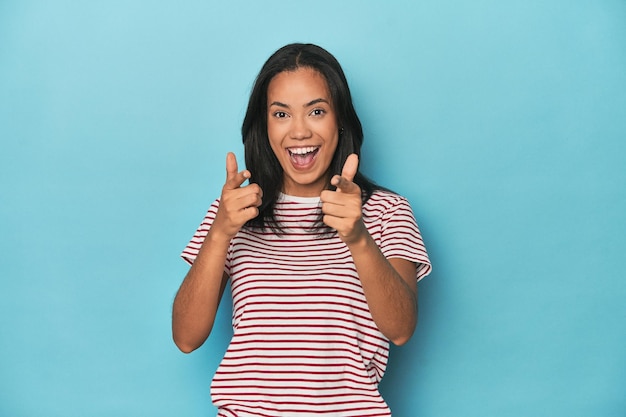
(502, 122)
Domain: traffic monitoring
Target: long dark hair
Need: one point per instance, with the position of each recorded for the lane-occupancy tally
(260, 159)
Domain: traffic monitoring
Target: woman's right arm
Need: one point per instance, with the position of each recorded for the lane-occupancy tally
(198, 297)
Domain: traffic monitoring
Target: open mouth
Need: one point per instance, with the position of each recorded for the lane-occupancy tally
(302, 157)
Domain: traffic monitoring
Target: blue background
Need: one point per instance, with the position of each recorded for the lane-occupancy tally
(504, 123)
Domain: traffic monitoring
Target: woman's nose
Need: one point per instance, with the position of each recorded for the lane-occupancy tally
(300, 129)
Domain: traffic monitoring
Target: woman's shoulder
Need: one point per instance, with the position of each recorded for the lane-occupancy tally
(383, 201)
(384, 196)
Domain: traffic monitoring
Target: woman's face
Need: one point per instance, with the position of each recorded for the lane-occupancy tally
(302, 129)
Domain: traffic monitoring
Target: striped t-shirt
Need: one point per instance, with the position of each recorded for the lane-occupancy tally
(304, 341)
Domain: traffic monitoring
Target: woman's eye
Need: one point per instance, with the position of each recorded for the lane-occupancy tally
(280, 114)
(318, 112)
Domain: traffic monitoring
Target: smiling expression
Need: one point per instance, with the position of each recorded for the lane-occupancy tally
(302, 129)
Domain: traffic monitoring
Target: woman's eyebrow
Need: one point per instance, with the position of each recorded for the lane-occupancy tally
(314, 102)
(279, 104)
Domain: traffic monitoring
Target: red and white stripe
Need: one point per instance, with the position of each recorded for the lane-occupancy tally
(304, 340)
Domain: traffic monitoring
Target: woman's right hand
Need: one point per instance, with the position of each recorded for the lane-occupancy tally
(237, 204)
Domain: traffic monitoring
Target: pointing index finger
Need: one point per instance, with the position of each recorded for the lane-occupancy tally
(231, 165)
(233, 178)
(350, 167)
(344, 183)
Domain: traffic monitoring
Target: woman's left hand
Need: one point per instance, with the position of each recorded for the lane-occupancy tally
(342, 208)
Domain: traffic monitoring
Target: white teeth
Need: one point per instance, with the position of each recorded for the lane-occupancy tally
(302, 151)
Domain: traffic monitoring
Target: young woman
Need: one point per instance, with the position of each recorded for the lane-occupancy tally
(323, 263)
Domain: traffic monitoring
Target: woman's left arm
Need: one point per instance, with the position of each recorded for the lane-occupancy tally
(390, 285)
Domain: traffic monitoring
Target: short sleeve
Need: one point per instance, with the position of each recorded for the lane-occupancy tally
(401, 237)
(190, 252)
